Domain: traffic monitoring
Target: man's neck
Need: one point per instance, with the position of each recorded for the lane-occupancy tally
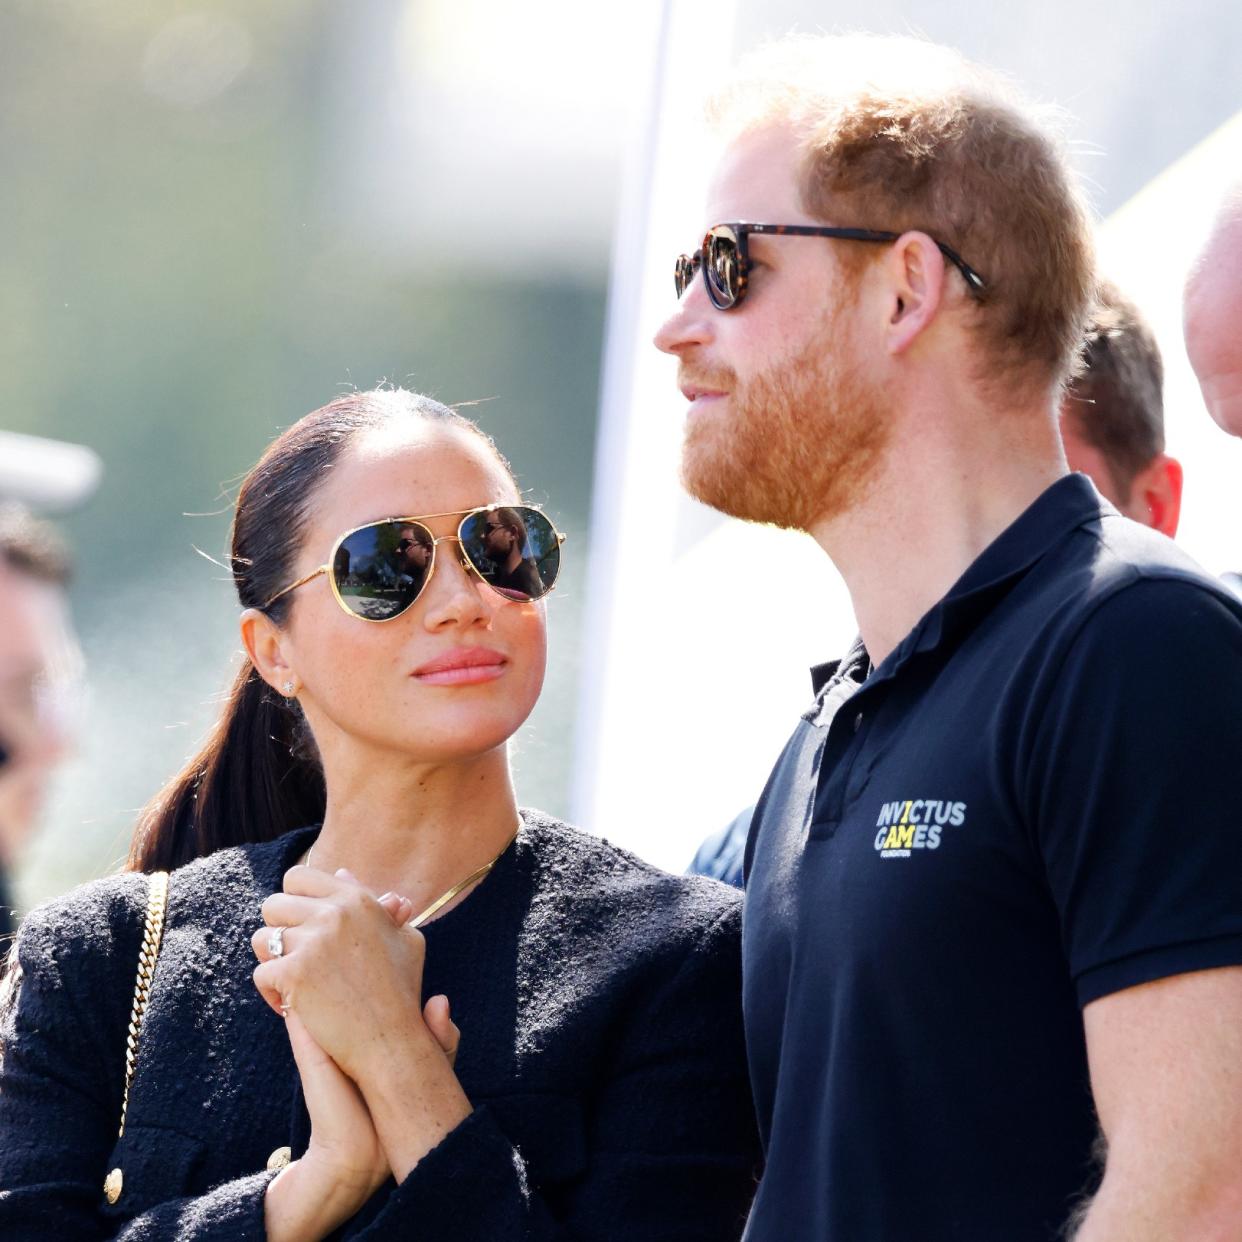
(945, 491)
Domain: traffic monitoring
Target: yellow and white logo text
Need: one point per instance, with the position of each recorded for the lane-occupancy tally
(915, 824)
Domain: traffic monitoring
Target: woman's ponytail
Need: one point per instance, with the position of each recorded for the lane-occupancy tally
(256, 777)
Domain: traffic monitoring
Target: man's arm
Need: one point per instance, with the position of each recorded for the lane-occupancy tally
(1166, 1073)
(1132, 770)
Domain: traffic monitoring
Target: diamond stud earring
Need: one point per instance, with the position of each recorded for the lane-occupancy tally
(287, 689)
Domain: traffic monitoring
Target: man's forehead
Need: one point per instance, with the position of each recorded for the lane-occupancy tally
(756, 178)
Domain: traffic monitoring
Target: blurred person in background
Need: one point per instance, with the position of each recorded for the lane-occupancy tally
(1112, 427)
(993, 924)
(1211, 315)
(352, 824)
(1112, 416)
(39, 665)
(720, 855)
(1211, 312)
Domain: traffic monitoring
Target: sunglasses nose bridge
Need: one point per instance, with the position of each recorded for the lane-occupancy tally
(462, 558)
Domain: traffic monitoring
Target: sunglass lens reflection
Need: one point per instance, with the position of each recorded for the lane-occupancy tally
(380, 570)
(684, 272)
(514, 549)
(722, 268)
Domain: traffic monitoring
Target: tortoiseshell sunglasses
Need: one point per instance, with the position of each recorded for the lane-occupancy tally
(726, 262)
(378, 570)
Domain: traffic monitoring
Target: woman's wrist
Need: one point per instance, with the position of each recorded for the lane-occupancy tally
(304, 1203)
(415, 1107)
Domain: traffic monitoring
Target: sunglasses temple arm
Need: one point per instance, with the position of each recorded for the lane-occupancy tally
(293, 586)
(974, 282)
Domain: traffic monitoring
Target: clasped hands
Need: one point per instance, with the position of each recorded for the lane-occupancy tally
(376, 1063)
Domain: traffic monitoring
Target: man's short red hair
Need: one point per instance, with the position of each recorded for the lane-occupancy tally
(901, 134)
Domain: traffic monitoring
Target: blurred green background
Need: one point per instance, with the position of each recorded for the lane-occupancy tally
(193, 256)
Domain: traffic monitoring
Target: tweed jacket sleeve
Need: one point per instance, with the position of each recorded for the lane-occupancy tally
(61, 1081)
(673, 1148)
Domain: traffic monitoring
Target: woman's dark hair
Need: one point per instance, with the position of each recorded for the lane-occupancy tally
(258, 774)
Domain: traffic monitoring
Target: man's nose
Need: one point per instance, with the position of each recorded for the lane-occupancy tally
(692, 322)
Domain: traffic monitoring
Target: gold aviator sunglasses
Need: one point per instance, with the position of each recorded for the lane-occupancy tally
(378, 570)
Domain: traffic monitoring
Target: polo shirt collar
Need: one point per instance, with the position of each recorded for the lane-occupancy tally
(853, 665)
(1064, 506)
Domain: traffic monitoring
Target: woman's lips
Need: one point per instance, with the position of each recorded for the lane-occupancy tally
(462, 666)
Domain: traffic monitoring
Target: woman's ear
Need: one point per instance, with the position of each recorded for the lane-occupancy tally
(265, 644)
(916, 275)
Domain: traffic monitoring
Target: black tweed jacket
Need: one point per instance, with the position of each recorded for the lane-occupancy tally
(599, 1003)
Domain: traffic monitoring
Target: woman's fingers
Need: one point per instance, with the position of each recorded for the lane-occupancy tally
(352, 965)
(297, 904)
(400, 909)
(437, 1015)
(282, 915)
(282, 910)
(267, 978)
(311, 882)
(271, 942)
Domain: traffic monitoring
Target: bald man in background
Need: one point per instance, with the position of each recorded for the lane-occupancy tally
(1212, 323)
(1212, 315)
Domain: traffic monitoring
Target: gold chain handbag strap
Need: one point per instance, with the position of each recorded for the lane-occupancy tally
(152, 934)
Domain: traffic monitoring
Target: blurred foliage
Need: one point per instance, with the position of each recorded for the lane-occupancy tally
(177, 285)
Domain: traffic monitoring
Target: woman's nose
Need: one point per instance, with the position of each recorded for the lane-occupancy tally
(456, 595)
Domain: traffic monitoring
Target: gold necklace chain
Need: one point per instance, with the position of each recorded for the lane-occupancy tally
(419, 919)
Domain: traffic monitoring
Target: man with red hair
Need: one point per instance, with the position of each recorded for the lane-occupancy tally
(993, 912)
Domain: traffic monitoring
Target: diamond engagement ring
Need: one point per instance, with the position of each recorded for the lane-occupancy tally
(276, 942)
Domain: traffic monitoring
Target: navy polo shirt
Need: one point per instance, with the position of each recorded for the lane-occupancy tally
(1028, 805)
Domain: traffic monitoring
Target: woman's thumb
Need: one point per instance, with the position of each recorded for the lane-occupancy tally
(437, 1015)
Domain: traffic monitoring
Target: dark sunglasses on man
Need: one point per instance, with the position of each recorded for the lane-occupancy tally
(725, 260)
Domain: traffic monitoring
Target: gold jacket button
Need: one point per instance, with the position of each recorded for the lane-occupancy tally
(112, 1185)
(279, 1159)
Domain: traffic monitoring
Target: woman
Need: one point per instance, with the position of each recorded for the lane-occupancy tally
(599, 1089)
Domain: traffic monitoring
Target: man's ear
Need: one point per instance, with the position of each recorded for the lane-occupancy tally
(915, 274)
(1156, 494)
(265, 644)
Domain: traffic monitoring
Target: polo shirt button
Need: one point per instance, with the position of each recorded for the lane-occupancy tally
(858, 722)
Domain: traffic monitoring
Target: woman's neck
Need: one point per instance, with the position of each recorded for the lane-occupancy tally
(416, 829)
